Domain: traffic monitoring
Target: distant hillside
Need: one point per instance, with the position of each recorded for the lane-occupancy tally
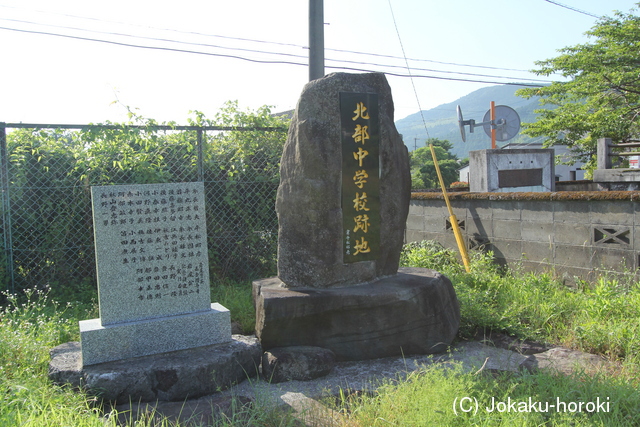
(442, 121)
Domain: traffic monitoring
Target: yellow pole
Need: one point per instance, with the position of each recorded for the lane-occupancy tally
(452, 218)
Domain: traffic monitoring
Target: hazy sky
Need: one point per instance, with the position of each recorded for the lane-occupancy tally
(215, 49)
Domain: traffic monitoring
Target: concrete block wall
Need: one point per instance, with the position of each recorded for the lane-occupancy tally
(576, 233)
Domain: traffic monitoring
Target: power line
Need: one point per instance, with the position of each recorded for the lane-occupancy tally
(169, 49)
(415, 91)
(157, 39)
(429, 60)
(164, 40)
(268, 42)
(573, 9)
(119, 34)
(440, 71)
(158, 28)
(523, 84)
(172, 49)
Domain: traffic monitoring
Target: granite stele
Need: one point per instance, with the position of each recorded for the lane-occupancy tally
(153, 274)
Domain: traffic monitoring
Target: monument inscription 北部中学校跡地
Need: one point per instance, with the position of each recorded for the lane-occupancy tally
(360, 176)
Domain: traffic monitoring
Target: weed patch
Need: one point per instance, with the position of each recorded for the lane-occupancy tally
(602, 317)
(451, 396)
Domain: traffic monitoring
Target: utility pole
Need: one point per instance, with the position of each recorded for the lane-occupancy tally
(316, 39)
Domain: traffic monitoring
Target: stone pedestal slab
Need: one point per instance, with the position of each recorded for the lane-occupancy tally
(170, 376)
(106, 343)
(413, 312)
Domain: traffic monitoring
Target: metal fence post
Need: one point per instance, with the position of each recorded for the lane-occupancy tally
(6, 206)
(45, 219)
(200, 155)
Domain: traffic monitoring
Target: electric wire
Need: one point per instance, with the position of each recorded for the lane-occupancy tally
(158, 28)
(415, 91)
(111, 33)
(430, 60)
(267, 42)
(170, 49)
(265, 61)
(156, 39)
(573, 9)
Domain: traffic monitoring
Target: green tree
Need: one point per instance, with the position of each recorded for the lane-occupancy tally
(242, 177)
(601, 97)
(423, 171)
(51, 172)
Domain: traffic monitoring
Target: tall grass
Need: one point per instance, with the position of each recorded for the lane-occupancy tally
(601, 317)
(432, 396)
(29, 327)
(236, 297)
(32, 324)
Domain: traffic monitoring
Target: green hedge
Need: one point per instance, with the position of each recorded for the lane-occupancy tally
(51, 172)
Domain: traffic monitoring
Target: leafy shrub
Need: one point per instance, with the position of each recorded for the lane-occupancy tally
(427, 254)
(601, 317)
(51, 172)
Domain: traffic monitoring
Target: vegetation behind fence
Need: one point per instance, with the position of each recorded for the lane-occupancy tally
(47, 172)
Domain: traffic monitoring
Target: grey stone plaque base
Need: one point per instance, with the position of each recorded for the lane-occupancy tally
(126, 340)
(171, 376)
(413, 312)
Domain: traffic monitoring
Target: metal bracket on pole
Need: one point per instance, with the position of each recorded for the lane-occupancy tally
(500, 123)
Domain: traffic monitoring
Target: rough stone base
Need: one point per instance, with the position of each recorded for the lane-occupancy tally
(125, 340)
(171, 376)
(413, 312)
(300, 363)
(567, 362)
(357, 377)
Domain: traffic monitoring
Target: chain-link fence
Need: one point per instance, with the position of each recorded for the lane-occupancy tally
(47, 172)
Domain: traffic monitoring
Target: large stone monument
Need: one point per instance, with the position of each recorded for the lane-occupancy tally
(342, 206)
(158, 335)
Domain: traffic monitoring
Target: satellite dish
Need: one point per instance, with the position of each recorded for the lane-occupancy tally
(507, 123)
(461, 124)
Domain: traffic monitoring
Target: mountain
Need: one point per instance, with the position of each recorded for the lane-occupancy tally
(442, 121)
